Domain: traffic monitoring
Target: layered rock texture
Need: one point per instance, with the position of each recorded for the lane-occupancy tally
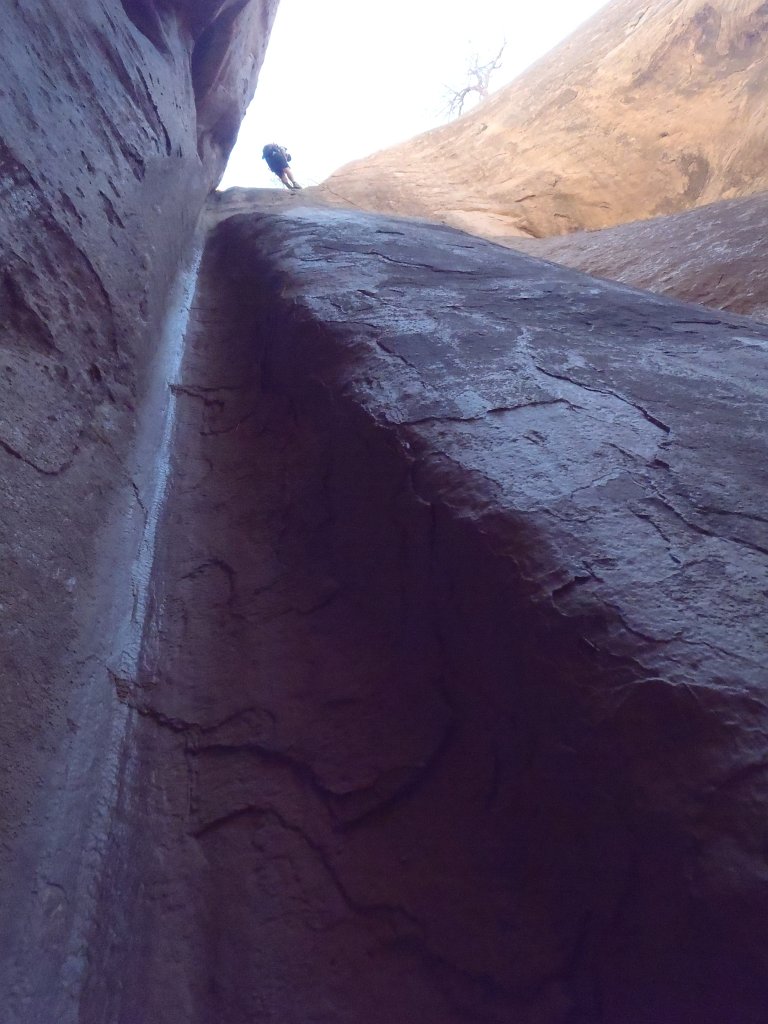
(383, 633)
(115, 122)
(715, 255)
(450, 702)
(651, 108)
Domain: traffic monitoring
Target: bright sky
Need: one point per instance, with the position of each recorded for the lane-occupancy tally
(344, 78)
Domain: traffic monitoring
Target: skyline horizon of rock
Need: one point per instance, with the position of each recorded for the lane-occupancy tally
(630, 117)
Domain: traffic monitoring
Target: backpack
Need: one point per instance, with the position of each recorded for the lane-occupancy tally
(276, 154)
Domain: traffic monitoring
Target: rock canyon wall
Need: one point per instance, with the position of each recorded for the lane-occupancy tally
(115, 122)
(450, 705)
(383, 628)
(648, 109)
(715, 255)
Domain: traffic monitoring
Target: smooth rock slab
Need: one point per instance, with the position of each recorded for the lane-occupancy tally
(576, 473)
(715, 255)
(632, 116)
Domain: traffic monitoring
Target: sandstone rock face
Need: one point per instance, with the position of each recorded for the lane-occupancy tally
(404, 660)
(715, 255)
(653, 107)
(451, 699)
(114, 124)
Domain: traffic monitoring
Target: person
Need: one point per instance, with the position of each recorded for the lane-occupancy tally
(278, 158)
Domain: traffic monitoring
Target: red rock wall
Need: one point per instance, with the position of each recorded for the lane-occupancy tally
(714, 255)
(403, 661)
(115, 123)
(652, 107)
(450, 704)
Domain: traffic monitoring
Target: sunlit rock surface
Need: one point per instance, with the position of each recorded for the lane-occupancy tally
(451, 702)
(115, 122)
(653, 107)
(716, 255)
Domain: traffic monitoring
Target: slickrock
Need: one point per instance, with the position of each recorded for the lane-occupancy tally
(651, 108)
(397, 651)
(451, 704)
(115, 122)
(715, 255)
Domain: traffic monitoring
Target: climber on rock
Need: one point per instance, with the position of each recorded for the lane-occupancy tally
(278, 158)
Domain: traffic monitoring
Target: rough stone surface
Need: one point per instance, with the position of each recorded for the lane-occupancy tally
(403, 661)
(114, 124)
(633, 117)
(451, 703)
(715, 255)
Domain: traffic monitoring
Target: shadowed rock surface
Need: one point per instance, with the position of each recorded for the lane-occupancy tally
(451, 703)
(632, 117)
(716, 255)
(115, 122)
(396, 654)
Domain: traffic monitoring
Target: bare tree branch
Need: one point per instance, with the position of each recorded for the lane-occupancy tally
(479, 83)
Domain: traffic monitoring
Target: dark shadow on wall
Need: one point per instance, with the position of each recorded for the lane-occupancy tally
(147, 18)
(212, 49)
